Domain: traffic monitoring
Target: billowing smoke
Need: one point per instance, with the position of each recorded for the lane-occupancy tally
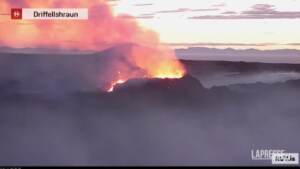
(102, 30)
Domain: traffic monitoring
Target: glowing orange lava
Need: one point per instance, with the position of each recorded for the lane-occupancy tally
(161, 74)
(158, 63)
(114, 83)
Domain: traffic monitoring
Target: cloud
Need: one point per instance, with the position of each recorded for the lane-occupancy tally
(174, 10)
(216, 44)
(146, 16)
(208, 9)
(257, 11)
(179, 10)
(294, 44)
(220, 44)
(187, 10)
(229, 12)
(220, 4)
(261, 9)
(146, 4)
(142, 16)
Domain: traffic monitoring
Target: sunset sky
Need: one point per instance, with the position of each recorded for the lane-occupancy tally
(262, 24)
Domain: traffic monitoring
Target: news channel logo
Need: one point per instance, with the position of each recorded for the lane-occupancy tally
(276, 156)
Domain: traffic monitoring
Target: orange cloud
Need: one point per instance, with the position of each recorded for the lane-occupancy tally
(100, 31)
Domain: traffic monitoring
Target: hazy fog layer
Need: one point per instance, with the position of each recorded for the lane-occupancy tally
(52, 113)
(243, 55)
(224, 79)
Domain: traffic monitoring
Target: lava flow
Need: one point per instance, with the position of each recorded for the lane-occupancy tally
(172, 71)
(114, 83)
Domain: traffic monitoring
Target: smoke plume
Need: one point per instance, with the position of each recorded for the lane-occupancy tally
(101, 31)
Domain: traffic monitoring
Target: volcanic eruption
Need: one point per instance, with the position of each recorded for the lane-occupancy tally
(143, 62)
(145, 58)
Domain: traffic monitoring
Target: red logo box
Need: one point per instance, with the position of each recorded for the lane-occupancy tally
(16, 13)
